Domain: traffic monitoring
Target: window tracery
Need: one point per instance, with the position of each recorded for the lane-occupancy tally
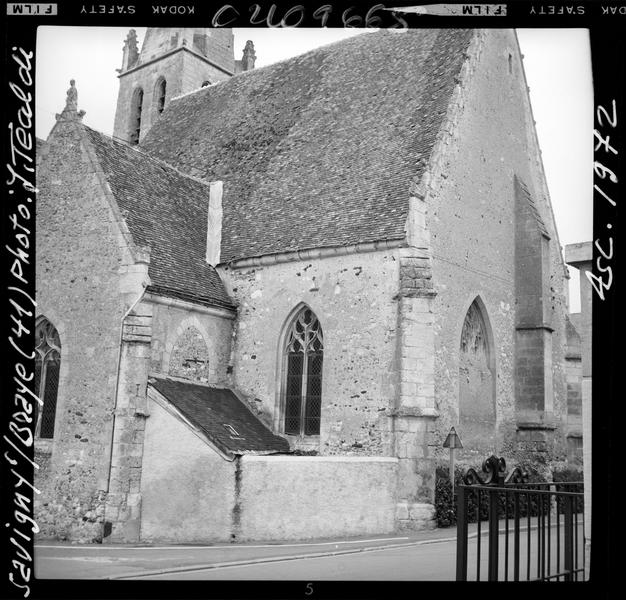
(304, 355)
(473, 338)
(190, 356)
(47, 369)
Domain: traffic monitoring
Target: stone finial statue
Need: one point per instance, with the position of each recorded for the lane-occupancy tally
(71, 104)
(249, 56)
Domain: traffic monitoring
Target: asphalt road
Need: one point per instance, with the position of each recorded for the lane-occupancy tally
(420, 562)
(411, 563)
(386, 559)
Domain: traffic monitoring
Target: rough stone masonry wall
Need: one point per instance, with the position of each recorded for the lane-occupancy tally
(79, 264)
(355, 300)
(471, 219)
(179, 331)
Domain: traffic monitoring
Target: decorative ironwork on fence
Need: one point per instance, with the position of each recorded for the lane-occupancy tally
(533, 529)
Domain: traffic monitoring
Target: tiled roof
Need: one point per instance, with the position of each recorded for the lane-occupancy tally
(318, 150)
(210, 409)
(167, 211)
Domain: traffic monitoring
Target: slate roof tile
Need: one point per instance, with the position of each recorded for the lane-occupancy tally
(210, 408)
(318, 150)
(167, 211)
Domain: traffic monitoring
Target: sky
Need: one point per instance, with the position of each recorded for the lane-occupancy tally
(557, 63)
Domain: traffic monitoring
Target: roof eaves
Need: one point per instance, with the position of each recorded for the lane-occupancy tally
(192, 298)
(320, 251)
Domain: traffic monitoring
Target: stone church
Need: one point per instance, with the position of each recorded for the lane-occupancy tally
(264, 302)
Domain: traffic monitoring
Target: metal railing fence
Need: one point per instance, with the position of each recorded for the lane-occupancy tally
(534, 531)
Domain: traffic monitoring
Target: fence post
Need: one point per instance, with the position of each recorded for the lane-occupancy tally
(516, 537)
(461, 534)
(568, 539)
(493, 536)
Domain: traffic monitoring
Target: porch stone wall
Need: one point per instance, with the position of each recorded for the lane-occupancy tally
(312, 497)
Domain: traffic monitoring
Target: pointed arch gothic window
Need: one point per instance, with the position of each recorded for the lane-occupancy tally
(135, 118)
(47, 368)
(474, 337)
(477, 407)
(160, 93)
(304, 357)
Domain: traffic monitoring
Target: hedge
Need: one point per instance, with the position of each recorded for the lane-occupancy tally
(445, 501)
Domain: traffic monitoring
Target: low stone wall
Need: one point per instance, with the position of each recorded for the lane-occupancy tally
(191, 494)
(299, 497)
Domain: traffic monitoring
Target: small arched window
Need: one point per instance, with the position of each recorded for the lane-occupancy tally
(135, 118)
(47, 368)
(190, 356)
(160, 92)
(304, 355)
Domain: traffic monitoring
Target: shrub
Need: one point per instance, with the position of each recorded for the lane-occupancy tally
(446, 501)
(569, 475)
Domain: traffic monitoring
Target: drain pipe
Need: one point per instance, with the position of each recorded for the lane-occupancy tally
(117, 379)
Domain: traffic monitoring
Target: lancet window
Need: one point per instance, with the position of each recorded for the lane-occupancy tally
(47, 369)
(304, 356)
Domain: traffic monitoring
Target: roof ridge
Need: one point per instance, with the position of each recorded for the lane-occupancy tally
(274, 64)
(317, 151)
(148, 155)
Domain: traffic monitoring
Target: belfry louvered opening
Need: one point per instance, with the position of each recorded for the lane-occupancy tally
(304, 357)
(160, 92)
(135, 119)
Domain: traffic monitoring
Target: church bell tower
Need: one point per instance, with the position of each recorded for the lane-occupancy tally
(171, 62)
